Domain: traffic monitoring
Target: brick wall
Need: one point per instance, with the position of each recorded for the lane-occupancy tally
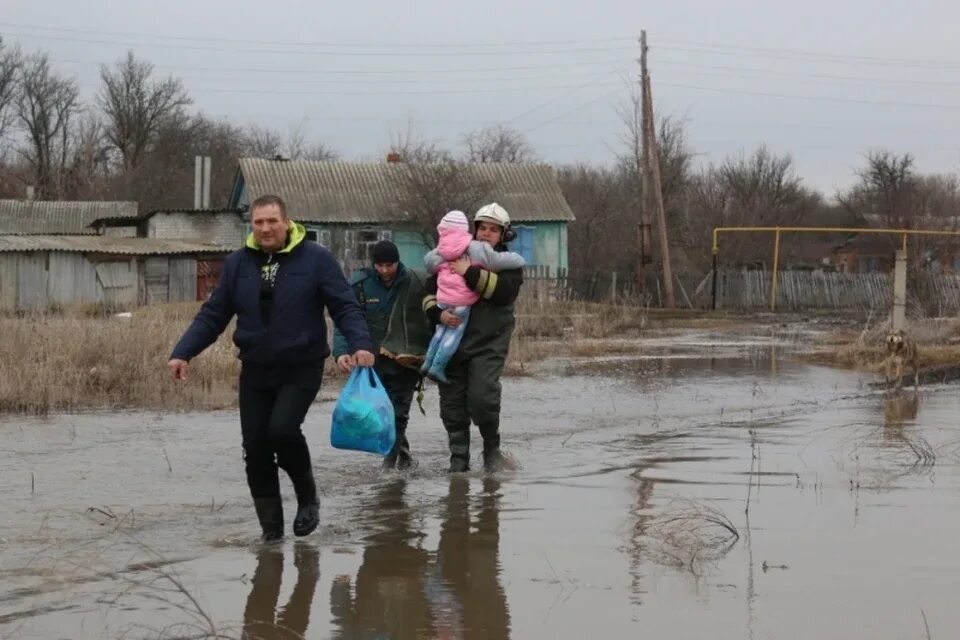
(225, 229)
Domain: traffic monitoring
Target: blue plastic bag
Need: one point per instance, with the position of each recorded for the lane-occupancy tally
(363, 419)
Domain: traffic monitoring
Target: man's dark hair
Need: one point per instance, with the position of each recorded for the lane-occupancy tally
(266, 201)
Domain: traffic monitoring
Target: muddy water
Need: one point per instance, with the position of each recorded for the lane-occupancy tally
(710, 487)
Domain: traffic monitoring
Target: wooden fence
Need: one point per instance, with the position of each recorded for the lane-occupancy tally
(933, 294)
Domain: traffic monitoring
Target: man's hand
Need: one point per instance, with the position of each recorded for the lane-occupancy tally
(461, 264)
(450, 319)
(346, 363)
(364, 358)
(178, 369)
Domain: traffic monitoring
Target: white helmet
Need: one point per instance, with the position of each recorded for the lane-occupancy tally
(492, 213)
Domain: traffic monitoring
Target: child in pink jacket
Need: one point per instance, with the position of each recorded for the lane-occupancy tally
(456, 240)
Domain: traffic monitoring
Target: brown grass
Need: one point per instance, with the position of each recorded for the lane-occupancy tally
(938, 344)
(71, 361)
(82, 358)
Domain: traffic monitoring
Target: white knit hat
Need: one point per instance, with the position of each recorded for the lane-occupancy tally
(455, 220)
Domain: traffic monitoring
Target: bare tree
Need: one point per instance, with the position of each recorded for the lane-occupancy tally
(135, 106)
(264, 142)
(413, 148)
(299, 148)
(603, 201)
(498, 143)
(10, 60)
(426, 191)
(761, 189)
(46, 107)
(88, 172)
(887, 190)
(428, 182)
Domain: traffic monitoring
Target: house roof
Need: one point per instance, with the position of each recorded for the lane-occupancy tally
(33, 217)
(360, 192)
(124, 221)
(105, 244)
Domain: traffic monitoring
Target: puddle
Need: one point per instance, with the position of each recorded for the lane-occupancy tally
(708, 486)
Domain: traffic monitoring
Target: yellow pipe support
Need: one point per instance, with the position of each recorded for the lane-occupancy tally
(776, 268)
(909, 232)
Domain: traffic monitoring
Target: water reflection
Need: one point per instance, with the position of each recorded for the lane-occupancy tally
(402, 591)
(899, 407)
(261, 618)
(465, 592)
(387, 600)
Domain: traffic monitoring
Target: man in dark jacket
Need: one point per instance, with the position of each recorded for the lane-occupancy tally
(389, 294)
(472, 393)
(278, 286)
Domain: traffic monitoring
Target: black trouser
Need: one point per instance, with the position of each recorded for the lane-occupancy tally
(400, 383)
(273, 403)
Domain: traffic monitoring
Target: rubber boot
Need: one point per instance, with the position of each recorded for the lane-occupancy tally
(270, 514)
(493, 460)
(308, 504)
(459, 451)
(399, 457)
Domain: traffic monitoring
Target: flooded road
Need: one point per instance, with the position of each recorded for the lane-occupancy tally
(708, 486)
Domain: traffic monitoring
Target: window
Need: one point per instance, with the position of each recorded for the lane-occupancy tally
(362, 240)
(523, 244)
(320, 236)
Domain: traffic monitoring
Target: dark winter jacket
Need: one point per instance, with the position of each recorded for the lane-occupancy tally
(398, 326)
(279, 299)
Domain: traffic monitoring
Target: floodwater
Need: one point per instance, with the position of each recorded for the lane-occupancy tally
(708, 487)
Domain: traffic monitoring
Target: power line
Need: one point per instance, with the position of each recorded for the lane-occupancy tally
(593, 78)
(815, 98)
(262, 90)
(248, 70)
(574, 110)
(954, 85)
(324, 43)
(714, 47)
(820, 58)
(365, 54)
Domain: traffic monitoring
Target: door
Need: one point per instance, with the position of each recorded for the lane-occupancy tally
(208, 275)
(524, 244)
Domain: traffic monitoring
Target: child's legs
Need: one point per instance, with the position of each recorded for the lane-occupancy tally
(435, 341)
(449, 342)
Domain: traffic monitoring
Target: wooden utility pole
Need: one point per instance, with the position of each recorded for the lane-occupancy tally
(640, 150)
(651, 171)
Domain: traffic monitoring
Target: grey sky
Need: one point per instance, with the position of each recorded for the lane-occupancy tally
(824, 81)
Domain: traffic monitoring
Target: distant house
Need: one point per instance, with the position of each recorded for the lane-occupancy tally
(865, 253)
(38, 217)
(41, 271)
(348, 206)
(224, 227)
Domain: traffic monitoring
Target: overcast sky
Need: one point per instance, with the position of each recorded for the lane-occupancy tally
(823, 81)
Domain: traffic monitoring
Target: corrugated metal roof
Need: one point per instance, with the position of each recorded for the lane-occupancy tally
(365, 192)
(34, 217)
(105, 244)
(128, 221)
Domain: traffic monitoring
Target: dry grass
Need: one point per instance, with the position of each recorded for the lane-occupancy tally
(689, 534)
(74, 360)
(82, 358)
(938, 344)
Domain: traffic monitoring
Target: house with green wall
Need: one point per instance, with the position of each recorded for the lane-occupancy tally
(350, 206)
